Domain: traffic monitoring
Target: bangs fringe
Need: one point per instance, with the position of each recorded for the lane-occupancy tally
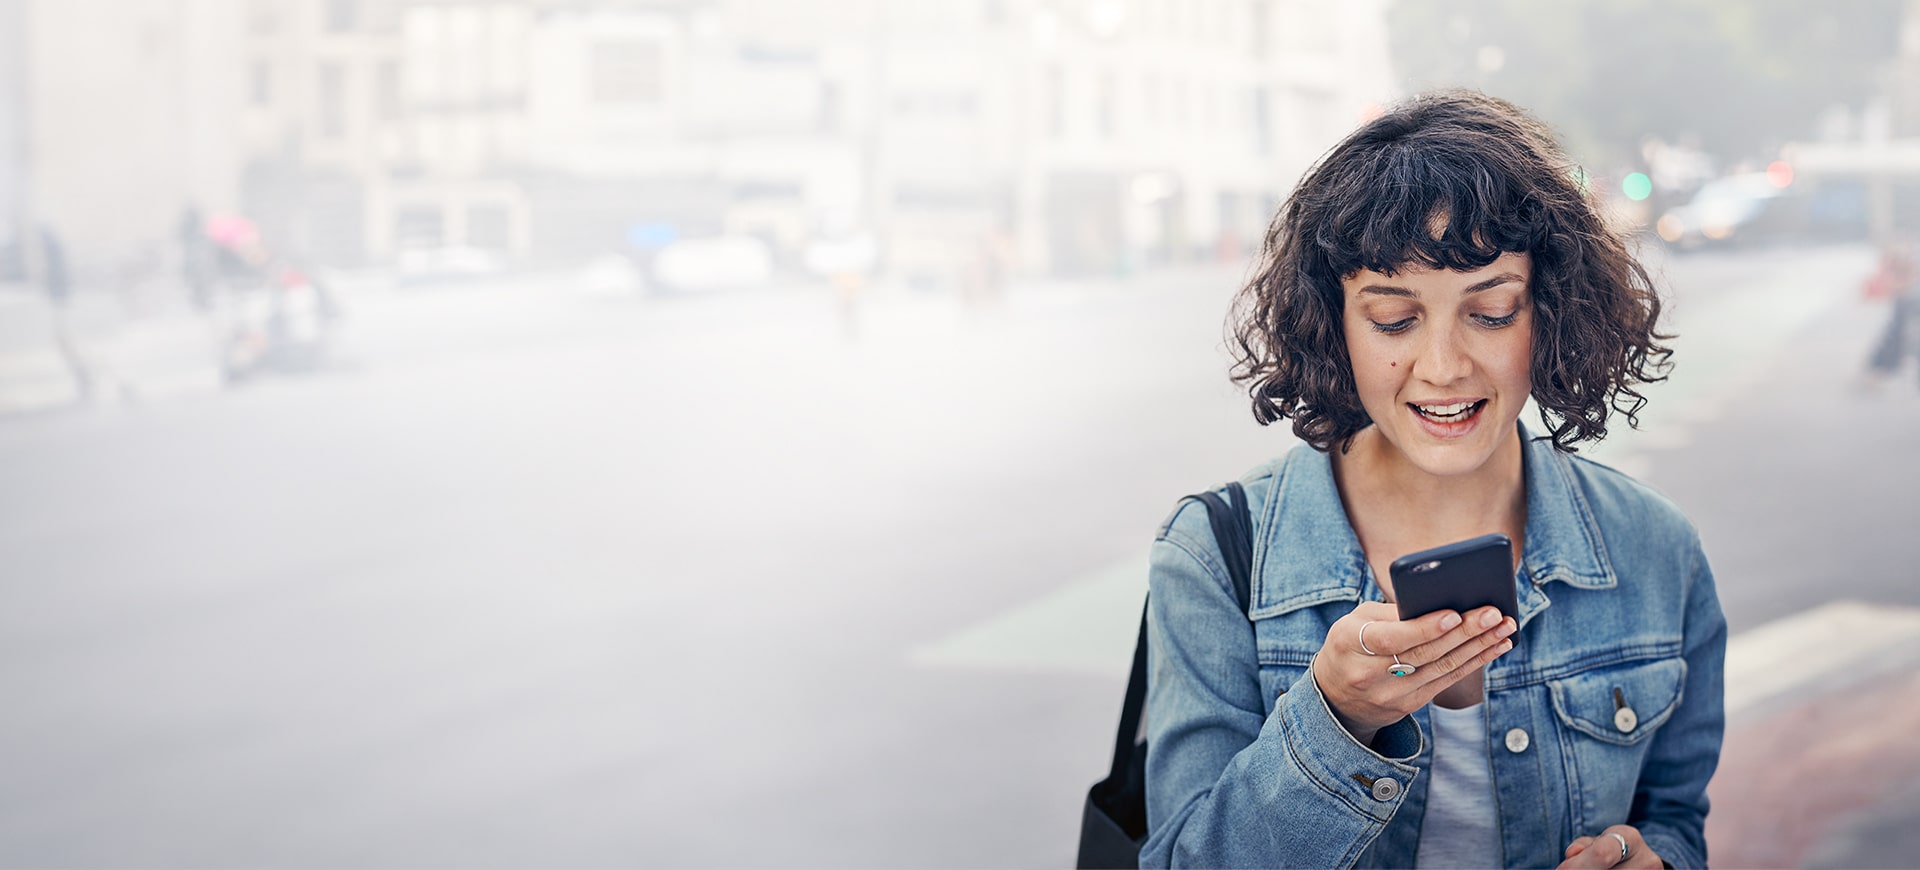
(1428, 204)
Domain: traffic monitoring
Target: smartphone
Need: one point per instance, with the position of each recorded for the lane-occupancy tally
(1460, 577)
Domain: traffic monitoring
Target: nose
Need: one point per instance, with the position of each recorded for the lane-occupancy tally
(1443, 359)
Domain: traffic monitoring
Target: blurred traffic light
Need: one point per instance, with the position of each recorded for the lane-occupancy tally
(1637, 186)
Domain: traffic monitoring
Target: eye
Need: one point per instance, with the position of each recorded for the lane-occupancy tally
(1397, 326)
(1496, 322)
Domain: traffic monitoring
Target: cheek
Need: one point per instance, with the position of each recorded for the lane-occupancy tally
(1514, 360)
(1377, 374)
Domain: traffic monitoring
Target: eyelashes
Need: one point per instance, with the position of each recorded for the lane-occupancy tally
(1487, 321)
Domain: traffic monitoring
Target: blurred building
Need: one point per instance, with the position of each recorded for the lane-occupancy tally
(13, 142)
(116, 115)
(1166, 130)
(1881, 152)
(1092, 136)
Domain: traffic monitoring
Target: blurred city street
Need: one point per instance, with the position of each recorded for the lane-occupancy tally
(534, 577)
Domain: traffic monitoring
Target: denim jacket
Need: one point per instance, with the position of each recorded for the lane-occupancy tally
(1607, 711)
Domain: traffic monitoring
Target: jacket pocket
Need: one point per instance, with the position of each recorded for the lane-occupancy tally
(1620, 705)
(1606, 716)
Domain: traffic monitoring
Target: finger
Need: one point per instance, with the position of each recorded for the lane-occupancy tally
(1393, 636)
(1462, 661)
(1578, 846)
(1475, 623)
(1362, 626)
(1603, 851)
(1638, 854)
(1598, 854)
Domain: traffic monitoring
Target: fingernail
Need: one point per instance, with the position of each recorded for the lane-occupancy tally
(1449, 621)
(1506, 628)
(1488, 619)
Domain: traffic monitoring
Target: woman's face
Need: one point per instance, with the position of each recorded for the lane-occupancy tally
(1442, 359)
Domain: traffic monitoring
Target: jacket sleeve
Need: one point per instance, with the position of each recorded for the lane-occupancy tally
(1227, 784)
(1670, 801)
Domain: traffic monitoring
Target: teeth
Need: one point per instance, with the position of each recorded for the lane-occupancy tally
(1454, 410)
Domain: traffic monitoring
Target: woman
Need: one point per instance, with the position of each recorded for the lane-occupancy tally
(1437, 268)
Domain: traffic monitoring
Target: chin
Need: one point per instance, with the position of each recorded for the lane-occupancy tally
(1456, 450)
(1455, 460)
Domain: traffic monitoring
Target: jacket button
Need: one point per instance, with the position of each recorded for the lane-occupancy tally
(1625, 719)
(1517, 740)
(1386, 788)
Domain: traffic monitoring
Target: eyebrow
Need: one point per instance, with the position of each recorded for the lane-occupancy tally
(1490, 283)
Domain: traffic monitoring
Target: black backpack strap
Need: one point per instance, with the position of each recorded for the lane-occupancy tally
(1130, 712)
(1232, 520)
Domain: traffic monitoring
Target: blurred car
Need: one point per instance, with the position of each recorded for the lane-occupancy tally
(448, 263)
(1737, 205)
(715, 263)
(612, 276)
(1754, 208)
(855, 253)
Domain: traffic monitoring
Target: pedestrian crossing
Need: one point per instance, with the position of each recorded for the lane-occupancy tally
(1085, 627)
(1834, 643)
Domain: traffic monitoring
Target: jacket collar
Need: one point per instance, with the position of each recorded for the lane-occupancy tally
(1310, 554)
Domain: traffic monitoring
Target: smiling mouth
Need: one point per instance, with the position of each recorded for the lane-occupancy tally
(1452, 413)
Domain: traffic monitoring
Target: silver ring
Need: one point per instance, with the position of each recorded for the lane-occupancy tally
(1400, 668)
(1623, 844)
(1363, 637)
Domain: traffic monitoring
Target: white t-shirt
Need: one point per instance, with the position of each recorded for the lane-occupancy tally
(1462, 827)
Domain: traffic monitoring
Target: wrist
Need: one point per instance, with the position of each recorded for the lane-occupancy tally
(1361, 733)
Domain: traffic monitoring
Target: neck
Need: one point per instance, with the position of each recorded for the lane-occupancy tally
(1390, 497)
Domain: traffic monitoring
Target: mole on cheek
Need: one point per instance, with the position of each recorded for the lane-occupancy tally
(1394, 363)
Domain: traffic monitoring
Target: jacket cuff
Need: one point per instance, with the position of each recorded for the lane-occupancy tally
(1372, 780)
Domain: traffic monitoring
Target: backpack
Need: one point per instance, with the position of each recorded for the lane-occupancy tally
(1113, 824)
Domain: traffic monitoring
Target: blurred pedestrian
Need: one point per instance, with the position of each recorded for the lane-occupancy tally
(1893, 280)
(983, 282)
(196, 258)
(847, 257)
(1440, 267)
(57, 281)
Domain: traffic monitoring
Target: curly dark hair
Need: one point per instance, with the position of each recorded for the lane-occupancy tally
(1498, 182)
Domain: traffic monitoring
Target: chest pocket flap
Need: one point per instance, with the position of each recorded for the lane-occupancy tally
(1620, 704)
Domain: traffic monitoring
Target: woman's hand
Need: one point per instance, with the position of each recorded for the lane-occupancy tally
(1442, 647)
(1604, 850)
